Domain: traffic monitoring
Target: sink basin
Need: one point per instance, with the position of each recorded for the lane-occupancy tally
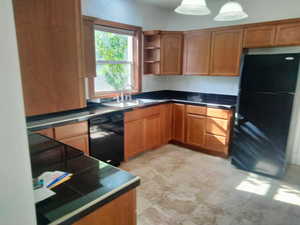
(131, 103)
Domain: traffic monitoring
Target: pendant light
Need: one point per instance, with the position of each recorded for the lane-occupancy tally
(193, 7)
(231, 11)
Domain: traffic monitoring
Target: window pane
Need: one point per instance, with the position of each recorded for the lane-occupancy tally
(113, 47)
(113, 77)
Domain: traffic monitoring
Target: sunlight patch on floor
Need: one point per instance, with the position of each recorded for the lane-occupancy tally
(254, 184)
(288, 195)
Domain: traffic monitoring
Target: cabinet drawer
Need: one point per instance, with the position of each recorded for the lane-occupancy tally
(217, 126)
(218, 113)
(199, 110)
(142, 113)
(80, 142)
(71, 130)
(46, 132)
(216, 143)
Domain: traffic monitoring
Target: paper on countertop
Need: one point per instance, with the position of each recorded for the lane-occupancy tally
(49, 176)
(42, 194)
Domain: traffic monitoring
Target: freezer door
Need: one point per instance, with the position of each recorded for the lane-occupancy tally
(270, 73)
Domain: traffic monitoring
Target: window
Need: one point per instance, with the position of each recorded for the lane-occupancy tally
(117, 61)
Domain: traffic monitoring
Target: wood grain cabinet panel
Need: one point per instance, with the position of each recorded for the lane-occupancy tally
(171, 53)
(79, 142)
(50, 52)
(193, 109)
(216, 143)
(71, 130)
(288, 34)
(120, 211)
(89, 55)
(226, 52)
(196, 54)
(46, 132)
(166, 123)
(263, 36)
(219, 113)
(179, 122)
(134, 138)
(195, 131)
(217, 126)
(152, 132)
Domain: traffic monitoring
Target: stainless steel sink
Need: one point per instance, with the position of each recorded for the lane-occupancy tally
(131, 103)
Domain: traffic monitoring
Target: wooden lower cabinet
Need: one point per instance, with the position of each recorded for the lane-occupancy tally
(120, 211)
(46, 132)
(195, 130)
(166, 123)
(152, 132)
(216, 143)
(78, 142)
(134, 138)
(178, 122)
(75, 135)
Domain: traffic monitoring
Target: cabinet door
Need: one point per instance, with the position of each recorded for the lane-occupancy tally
(171, 53)
(79, 142)
(226, 53)
(216, 143)
(166, 123)
(195, 130)
(178, 122)
(134, 138)
(152, 132)
(196, 53)
(262, 36)
(50, 51)
(288, 34)
(89, 55)
(120, 211)
(217, 126)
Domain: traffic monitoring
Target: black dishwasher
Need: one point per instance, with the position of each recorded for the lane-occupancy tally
(106, 133)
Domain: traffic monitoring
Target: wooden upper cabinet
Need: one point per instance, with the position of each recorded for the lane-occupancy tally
(226, 52)
(196, 54)
(89, 54)
(50, 50)
(179, 122)
(195, 131)
(261, 36)
(288, 34)
(171, 53)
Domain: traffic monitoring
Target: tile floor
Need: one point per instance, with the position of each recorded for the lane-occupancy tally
(183, 187)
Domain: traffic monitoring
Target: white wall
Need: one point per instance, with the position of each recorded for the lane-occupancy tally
(258, 11)
(16, 195)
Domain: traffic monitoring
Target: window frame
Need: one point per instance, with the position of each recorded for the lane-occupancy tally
(137, 60)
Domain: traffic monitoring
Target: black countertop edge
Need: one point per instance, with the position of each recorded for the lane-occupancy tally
(62, 118)
(96, 204)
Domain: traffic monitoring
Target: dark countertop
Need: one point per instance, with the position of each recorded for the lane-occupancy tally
(166, 96)
(93, 184)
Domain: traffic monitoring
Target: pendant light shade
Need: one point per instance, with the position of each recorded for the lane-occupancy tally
(193, 7)
(231, 11)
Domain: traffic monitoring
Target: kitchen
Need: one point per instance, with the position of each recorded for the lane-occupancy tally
(177, 112)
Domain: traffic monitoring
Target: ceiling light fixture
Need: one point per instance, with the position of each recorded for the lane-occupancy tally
(231, 11)
(193, 7)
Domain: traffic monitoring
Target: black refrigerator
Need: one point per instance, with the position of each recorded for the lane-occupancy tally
(264, 110)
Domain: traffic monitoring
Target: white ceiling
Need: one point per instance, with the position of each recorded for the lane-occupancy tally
(162, 3)
(168, 4)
